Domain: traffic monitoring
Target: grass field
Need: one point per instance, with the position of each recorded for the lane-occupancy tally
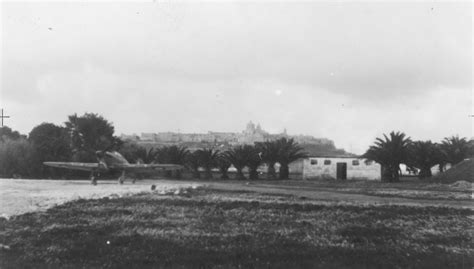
(205, 228)
(407, 188)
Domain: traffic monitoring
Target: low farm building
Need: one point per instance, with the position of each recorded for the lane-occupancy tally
(340, 167)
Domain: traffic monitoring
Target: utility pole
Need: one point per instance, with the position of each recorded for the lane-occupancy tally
(3, 117)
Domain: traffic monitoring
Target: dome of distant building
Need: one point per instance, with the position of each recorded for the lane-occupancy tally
(252, 133)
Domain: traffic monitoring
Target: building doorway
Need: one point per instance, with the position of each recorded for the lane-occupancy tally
(341, 171)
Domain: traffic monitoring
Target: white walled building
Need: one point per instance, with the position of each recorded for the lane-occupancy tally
(321, 167)
(435, 169)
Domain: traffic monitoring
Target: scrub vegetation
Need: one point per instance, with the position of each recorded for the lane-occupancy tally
(202, 228)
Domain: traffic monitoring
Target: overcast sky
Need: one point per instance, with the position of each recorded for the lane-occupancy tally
(345, 71)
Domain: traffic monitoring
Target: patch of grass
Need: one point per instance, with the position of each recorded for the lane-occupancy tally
(407, 188)
(419, 194)
(220, 229)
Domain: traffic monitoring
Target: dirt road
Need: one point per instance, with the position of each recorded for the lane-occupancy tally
(22, 196)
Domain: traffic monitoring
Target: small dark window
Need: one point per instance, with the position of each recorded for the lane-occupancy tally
(368, 162)
(313, 162)
(355, 162)
(327, 162)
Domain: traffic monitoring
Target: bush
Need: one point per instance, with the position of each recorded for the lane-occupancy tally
(17, 158)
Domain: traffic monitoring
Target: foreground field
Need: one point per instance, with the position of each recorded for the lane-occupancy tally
(203, 228)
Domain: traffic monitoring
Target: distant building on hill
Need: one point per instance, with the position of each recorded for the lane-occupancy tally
(132, 137)
(251, 134)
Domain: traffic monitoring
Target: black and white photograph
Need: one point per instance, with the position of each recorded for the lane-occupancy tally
(236, 134)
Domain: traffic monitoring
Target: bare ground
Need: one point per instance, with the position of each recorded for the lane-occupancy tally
(22, 196)
(18, 196)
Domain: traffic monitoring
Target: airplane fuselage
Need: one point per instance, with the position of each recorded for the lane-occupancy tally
(112, 162)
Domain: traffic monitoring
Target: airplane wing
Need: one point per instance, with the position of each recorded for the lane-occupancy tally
(74, 165)
(146, 167)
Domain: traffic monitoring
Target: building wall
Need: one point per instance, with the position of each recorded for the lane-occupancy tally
(435, 169)
(314, 168)
(148, 136)
(296, 167)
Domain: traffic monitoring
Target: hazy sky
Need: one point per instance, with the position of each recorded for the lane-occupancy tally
(345, 71)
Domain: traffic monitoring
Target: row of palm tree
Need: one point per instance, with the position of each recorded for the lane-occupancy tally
(283, 151)
(396, 148)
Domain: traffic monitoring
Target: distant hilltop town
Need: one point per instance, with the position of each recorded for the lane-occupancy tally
(252, 133)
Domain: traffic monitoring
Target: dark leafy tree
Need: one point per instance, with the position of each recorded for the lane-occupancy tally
(390, 152)
(423, 155)
(238, 157)
(223, 164)
(89, 133)
(471, 148)
(270, 151)
(208, 160)
(49, 143)
(289, 151)
(6, 133)
(455, 149)
(16, 157)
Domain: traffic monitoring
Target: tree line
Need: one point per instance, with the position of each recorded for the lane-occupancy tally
(283, 151)
(420, 156)
(81, 136)
(77, 140)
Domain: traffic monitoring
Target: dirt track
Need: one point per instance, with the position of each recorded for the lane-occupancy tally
(21, 196)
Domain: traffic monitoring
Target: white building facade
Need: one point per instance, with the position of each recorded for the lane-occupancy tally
(342, 168)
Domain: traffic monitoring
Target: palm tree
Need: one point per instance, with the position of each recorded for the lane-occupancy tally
(269, 153)
(390, 153)
(172, 155)
(238, 157)
(139, 154)
(254, 161)
(223, 164)
(193, 163)
(208, 160)
(288, 152)
(145, 156)
(456, 149)
(424, 155)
